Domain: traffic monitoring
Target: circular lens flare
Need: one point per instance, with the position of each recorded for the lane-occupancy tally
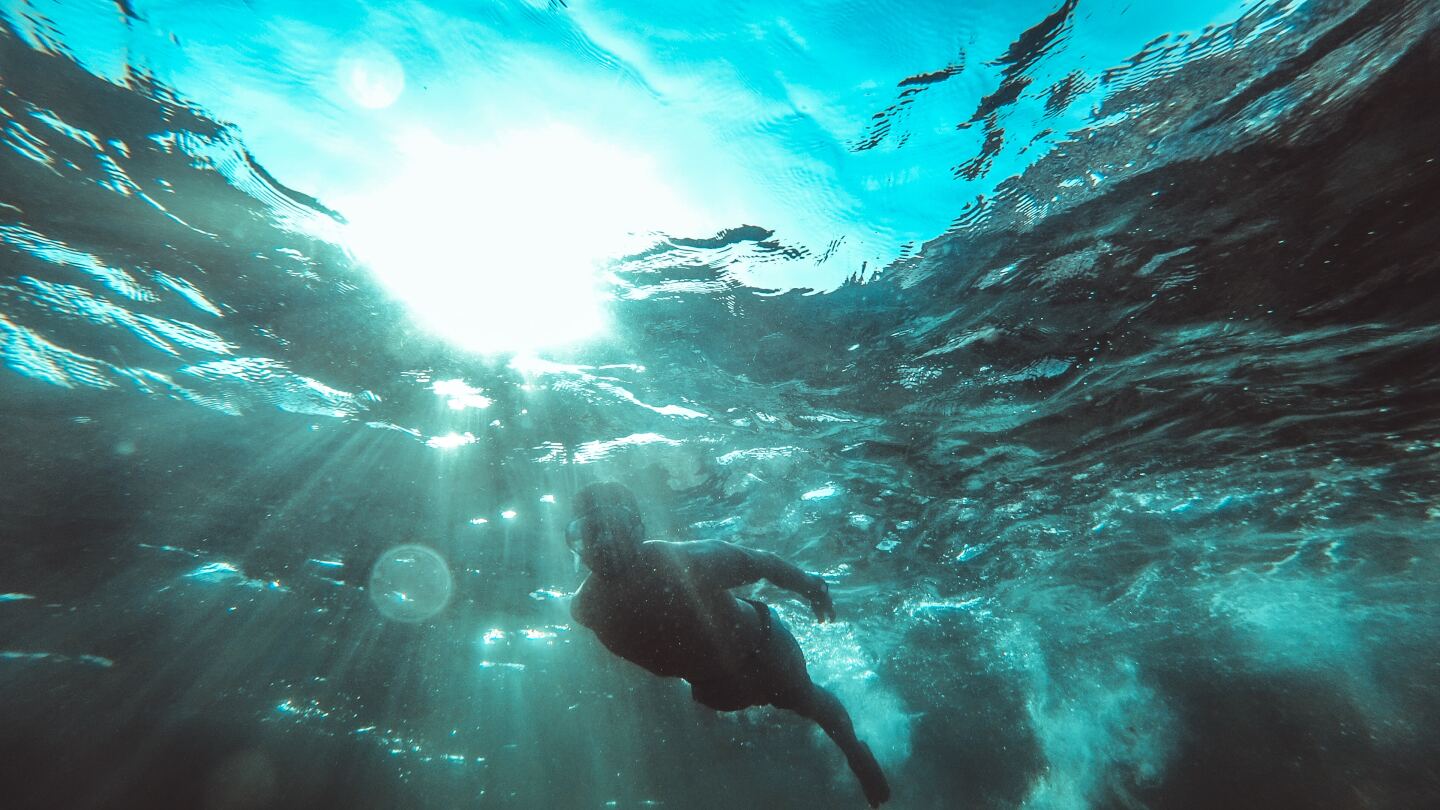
(371, 76)
(410, 583)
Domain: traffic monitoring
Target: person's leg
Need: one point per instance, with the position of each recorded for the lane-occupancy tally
(792, 689)
(819, 705)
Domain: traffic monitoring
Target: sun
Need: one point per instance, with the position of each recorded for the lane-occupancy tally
(497, 246)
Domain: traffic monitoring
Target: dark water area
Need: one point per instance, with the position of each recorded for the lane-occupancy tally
(1127, 485)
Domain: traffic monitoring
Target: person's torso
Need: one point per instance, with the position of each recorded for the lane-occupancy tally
(661, 617)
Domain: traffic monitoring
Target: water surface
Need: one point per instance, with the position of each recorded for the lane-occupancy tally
(1088, 349)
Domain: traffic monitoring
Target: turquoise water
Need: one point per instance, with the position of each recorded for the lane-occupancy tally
(1087, 349)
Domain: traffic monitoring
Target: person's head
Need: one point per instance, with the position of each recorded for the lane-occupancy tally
(607, 529)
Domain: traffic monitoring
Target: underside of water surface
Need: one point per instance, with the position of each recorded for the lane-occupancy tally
(1089, 350)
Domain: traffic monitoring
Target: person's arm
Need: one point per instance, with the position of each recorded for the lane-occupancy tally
(725, 565)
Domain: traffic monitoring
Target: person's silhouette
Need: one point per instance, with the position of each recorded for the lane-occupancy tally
(667, 607)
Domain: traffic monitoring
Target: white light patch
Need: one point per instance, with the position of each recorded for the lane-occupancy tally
(495, 246)
(459, 395)
(370, 76)
(450, 441)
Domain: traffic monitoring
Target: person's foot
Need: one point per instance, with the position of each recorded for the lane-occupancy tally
(872, 779)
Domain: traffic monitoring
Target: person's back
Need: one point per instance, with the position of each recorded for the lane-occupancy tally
(667, 607)
(664, 615)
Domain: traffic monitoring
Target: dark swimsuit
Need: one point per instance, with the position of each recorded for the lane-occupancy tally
(773, 673)
(762, 612)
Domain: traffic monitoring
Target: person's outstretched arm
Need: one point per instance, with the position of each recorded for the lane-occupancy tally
(726, 565)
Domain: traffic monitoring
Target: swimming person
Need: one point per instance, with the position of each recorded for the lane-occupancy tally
(667, 607)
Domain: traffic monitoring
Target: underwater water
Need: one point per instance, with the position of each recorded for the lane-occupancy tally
(1090, 350)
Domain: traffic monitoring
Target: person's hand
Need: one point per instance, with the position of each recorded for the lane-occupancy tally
(820, 600)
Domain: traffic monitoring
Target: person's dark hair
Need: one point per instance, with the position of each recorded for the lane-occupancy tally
(610, 526)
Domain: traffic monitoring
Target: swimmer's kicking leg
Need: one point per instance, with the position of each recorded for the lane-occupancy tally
(819, 705)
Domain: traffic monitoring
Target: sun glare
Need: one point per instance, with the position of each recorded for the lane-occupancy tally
(495, 246)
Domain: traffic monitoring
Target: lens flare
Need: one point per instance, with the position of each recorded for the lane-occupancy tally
(410, 583)
(370, 76)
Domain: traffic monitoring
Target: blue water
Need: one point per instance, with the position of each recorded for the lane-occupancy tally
(1088, 349)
